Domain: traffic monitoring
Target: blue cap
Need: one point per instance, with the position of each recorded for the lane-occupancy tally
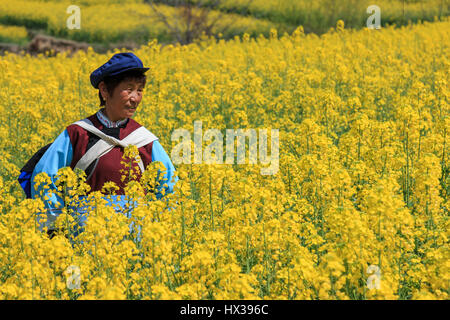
(120, 62)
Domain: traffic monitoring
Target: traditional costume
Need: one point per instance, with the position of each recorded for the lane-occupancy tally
(96, 145)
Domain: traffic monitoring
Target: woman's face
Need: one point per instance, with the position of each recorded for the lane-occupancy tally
(124, 100)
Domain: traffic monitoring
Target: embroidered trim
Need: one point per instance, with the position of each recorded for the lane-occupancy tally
(108, 123)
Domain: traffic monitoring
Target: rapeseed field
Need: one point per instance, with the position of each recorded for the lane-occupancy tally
(358, 208)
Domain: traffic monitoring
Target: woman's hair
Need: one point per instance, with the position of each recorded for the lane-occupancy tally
(112, 82)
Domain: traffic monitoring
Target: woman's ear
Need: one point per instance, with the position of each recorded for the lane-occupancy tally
(103, 90)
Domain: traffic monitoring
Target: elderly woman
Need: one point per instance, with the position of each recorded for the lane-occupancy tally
(96, 144)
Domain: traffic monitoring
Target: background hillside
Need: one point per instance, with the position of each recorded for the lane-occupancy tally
(107, 24)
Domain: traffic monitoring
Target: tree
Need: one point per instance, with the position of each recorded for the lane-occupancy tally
(192, 18)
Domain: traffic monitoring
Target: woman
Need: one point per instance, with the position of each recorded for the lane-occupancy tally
(96, 144)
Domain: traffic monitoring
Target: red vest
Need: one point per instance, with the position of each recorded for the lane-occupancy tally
(107, 167)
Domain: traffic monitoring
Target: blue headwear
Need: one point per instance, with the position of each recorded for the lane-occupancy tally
(118, 63)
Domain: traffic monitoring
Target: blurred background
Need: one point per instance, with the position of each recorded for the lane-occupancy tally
(39, 25)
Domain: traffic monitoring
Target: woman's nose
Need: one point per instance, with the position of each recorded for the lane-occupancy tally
(133, 96)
